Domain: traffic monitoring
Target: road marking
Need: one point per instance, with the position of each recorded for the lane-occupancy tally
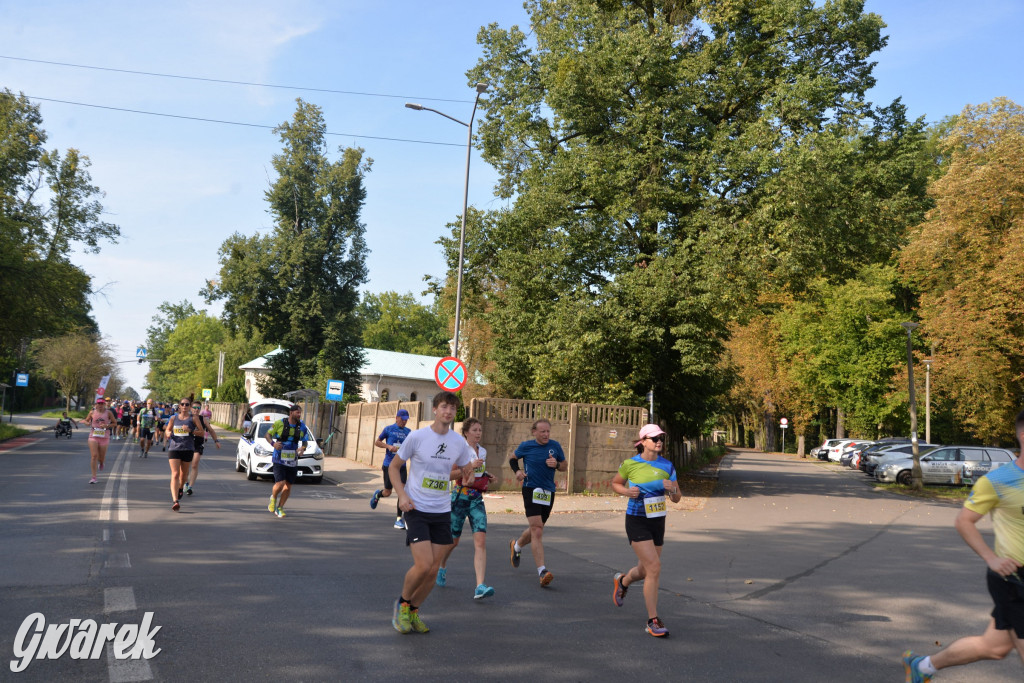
(108, 492)
(122, 492)
(118, 600)
(127, 670)
(118, 561)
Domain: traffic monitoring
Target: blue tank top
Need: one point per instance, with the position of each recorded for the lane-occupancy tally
(181, 434)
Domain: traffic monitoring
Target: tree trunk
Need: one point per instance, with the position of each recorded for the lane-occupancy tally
(800, 446)
(840, 426)
(768, 427)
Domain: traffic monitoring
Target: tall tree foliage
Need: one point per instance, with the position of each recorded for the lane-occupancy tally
(965, 259)
(298, 286)
(48, 206)
(75, 362)
(656, 160)
(398, 322)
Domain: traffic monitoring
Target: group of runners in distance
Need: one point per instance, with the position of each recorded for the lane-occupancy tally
(421, 465)
(182, 434)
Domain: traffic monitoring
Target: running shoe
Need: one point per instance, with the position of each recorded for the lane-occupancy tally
(93, 480)
(176, 506)
(188, 488)
(400, 617)
(441, 574)
(272, 506)
(280, 512)
(417, 623)
(656, 628)
(545, 578)
(375, 498)
(399, 523)
(910, 662)
(620, 591)
(516, 554)
(181, 492)
(482, 591)
(164, 447)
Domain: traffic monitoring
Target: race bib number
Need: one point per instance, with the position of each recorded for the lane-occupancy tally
(99, 432)
(180, 430)
(435, 486)
(289, 458)
(479, 471)
(655, 506)
(542, 497)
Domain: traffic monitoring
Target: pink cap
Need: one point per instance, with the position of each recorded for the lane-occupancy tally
(101, 400)
(648, 431)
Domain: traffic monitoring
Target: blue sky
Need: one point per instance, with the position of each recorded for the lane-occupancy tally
(178, 188)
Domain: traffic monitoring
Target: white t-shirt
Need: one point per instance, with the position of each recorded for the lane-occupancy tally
(430, 457)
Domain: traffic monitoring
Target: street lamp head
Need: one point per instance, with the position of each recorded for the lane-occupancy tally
(928, 362)
(910, 327)
(481, 87)
(413, 105)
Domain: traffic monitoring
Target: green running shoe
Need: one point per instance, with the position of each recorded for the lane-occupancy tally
(910, 662)
(417, 623)
(272, 506)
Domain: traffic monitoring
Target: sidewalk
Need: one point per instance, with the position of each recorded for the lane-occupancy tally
(364, 480)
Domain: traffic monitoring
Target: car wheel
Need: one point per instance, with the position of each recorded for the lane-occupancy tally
(250, 473)
(905, 478)
(238, 465)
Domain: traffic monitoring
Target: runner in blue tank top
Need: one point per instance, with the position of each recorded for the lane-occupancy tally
(646, 479)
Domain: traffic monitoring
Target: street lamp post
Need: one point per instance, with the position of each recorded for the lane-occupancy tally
(916, 470)
(928, 400)
(480, 89)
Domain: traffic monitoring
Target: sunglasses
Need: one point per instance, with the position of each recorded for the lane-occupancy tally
(657, 439)
(185, 404)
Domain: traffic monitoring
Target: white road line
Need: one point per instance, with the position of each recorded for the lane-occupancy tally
(127, 670)
(118, 600)
(118, 561)
(108, 491)
(122, 492)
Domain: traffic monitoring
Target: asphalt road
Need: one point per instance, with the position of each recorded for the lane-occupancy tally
(793, 572)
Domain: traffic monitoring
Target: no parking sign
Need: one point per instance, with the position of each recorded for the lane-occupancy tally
(450, 374)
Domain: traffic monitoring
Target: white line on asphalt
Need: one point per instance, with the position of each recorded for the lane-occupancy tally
(122, 492)
(108, 491)
(127, 670)
(118, 561)
(118, 600)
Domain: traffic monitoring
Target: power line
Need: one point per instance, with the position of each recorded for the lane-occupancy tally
(238, 123)
(230, 82)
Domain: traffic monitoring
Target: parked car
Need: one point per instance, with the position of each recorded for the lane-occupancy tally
(893, 452)
(851, 451)
(947, 465)
(835, 452)
(823, 448)
(255, 454)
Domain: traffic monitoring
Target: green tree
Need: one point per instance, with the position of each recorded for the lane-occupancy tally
(190, 359)
(159, 380)
(48, 205)
(298, 286)
(75, 362)
(666, 164)
(397, 322)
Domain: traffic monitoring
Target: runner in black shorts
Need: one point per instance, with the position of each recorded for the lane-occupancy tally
(435, 455)
(180, 429)
(646, 479)
(1001, 493)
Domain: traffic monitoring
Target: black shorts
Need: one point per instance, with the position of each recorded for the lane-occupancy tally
(1008, 597)
(643, 529)
(146, 434)
(184, 456)
(387, 477)
(534, 509)
(197, 444)
(126, 421)
(435, 527)
(285, 473)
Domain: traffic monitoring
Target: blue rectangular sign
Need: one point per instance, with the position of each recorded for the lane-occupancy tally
(335, 390)
(22, 380)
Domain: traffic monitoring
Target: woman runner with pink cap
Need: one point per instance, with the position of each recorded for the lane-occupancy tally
(646, 479)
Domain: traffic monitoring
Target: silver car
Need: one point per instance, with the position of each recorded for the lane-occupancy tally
(947, 465)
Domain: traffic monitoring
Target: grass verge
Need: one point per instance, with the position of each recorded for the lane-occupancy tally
(953, 493)
(76, 414)
(10, 431)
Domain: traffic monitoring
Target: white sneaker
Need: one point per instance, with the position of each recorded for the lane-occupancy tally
(399, 523)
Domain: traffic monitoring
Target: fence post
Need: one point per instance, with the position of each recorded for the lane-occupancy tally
(570, 472)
